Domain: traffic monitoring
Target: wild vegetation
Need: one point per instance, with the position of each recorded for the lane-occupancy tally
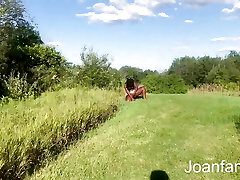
(47, 103)
(231, 89)
(207, 70)
(164, 83)
(26, 64)
(162, 133)
(36, 129)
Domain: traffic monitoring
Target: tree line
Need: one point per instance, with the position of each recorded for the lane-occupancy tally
(28, 67)
(202, 70)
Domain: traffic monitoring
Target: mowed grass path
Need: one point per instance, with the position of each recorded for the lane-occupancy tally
(161, 133)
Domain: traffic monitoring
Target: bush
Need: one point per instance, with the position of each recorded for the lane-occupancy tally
(44, 70)
(34, 130)
(18, 87)
(96, 71)
(167, 84)
(47, 65)
(232, 86)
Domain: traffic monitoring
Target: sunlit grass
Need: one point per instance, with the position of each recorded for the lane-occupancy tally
(161, 133)
(33, 130)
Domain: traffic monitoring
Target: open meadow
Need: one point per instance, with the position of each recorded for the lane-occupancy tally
(162, 133)
(68, 68)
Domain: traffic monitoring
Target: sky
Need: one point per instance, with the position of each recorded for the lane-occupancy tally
(148, 34)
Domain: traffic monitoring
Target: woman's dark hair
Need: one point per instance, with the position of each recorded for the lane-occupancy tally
(130, 83)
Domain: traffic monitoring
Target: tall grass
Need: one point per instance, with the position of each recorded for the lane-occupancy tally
(33, 130)
(231, 89)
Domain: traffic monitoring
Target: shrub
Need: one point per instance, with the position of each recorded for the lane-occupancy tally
(167, 84)
(96, 71)
(232, 86)
(18, 87)
(47, 65)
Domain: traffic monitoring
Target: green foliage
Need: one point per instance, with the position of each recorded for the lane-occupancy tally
(115, 79)
(232, 86)
(36, 129)
(228, 70)
(131, 72)
(136, 73)
(12, 12)
(15, 32)
(197, 71)
(70, 77)
(18, 87)
(186, 68)
(96, 71)
(205, 65)
(47, 66)
(167, 84)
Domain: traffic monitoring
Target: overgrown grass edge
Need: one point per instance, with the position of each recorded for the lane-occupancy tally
(23, 152)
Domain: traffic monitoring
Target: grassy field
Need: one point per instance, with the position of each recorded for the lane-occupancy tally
(161, 133)
(34, 130)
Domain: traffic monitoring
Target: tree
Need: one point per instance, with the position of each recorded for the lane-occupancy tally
(227, 71)
(136, 73)
(96, 70)
(45, 65)
(15, 31)
(186, 68)
(205, 65)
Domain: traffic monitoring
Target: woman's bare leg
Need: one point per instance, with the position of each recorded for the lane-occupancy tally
(128, 98)
(141, 91)
(144, 93)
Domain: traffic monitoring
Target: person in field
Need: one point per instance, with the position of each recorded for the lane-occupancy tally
(133, 90)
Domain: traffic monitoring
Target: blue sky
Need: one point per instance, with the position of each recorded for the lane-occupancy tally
(148, 34)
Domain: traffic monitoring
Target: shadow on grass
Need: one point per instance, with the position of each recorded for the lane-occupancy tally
(237, 122)
(159, 175)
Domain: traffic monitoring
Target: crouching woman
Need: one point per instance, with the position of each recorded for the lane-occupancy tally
(133, 90)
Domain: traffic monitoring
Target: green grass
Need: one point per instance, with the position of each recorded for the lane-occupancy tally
(161, 133)
(34, 130)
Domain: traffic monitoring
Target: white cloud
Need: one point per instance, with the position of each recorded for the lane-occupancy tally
(226, 39)
(162, 14)
(118, 3)
(154, 3)
(101, 7)
(131, 12)
(122, 10)
(188, 21)
(229, 49)
(201, 3)
(54, 43)
(236, 8)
